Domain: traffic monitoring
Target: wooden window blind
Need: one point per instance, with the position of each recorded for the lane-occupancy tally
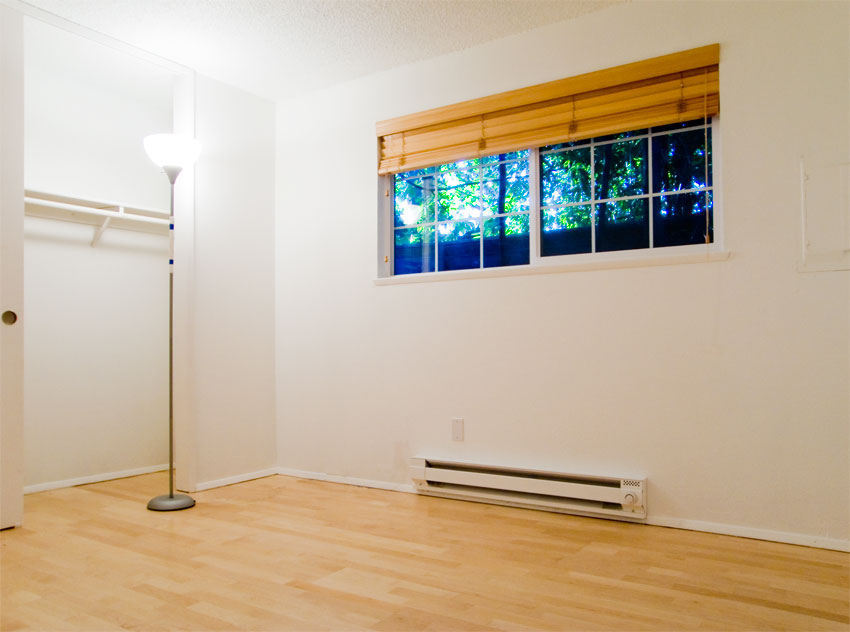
(658, 91)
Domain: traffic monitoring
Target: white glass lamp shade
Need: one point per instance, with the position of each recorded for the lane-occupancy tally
(172, 150)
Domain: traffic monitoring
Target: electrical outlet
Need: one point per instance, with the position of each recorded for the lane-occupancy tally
(457, 429)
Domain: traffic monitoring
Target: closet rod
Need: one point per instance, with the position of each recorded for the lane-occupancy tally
(95, 211)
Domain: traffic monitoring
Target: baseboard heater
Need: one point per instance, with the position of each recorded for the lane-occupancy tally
(597, 496)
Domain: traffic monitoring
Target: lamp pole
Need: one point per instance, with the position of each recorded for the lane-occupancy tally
(182, 151)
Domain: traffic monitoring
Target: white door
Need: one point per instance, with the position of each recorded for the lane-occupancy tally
(11, 268)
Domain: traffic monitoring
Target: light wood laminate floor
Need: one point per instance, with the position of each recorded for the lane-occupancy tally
(281, 553)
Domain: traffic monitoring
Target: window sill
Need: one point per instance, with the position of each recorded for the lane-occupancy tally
(617, 261)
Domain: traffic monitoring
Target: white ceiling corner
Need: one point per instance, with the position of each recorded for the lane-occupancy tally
(279, 48)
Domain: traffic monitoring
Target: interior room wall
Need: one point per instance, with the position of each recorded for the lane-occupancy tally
(96, 363)
(96, 345)
(724, 383)
(88, 107)
(233, 286)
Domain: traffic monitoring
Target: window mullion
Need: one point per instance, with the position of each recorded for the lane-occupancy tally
(389, 210)
(480, 215)
(437, 219)
(534, 226)
(650, 190)
(592, 195)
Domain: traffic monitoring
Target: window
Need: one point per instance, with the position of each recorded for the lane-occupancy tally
(644, 189)
(441, 213)
(617, 160)
(634, 190)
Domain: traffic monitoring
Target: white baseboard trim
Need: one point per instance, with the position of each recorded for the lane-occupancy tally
(232, 480)
(658, 521)
(94, 478)
(802, 539)
(346, 480)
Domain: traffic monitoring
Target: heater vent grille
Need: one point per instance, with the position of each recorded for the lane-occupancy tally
(606, 497)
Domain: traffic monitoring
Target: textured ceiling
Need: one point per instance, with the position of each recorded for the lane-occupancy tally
(278, 48)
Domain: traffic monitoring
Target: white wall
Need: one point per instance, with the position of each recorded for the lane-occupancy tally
(88, 107)
(726, 384)
(232, 363)
(97, 378)
(96, 343)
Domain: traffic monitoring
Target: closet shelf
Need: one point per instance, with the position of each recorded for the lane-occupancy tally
(96, 213)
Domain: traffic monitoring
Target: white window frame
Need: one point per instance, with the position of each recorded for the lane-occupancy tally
(650, 256)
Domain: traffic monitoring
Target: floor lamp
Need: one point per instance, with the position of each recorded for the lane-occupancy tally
(173, 153)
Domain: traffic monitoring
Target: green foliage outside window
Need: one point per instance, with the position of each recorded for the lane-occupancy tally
(635, 190)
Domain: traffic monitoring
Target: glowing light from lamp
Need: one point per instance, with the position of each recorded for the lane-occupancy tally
(172, 150)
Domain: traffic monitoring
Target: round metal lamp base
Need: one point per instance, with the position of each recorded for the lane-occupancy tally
(171, 503)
